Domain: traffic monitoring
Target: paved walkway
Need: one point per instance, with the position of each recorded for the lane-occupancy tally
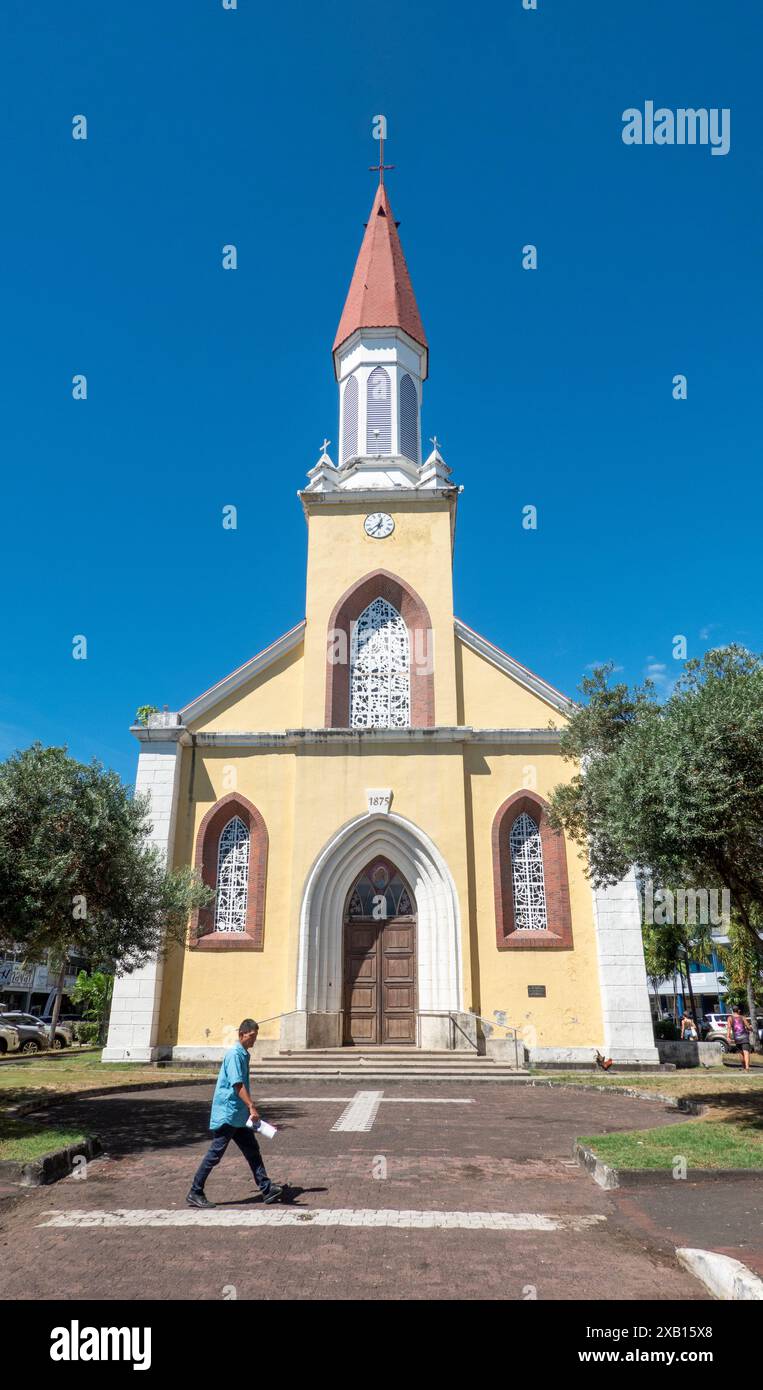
(407, 1190)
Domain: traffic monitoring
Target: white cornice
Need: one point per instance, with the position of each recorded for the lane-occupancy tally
(349, 738)
(512, 668)
(392, 496)
(244, 673)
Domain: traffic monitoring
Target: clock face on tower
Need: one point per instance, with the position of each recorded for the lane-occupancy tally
(378, 525)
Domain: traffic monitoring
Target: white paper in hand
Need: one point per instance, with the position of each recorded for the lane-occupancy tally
(262, 1127)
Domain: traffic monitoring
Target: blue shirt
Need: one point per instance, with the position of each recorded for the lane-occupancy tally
(227, 1107)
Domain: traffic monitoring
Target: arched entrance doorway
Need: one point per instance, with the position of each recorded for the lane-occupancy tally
(318, 1005)
(379, 1003)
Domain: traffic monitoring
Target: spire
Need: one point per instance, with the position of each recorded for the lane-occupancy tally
(381, 294)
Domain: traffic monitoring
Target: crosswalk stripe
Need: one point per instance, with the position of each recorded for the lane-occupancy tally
(361, 1112)
(342, 1216)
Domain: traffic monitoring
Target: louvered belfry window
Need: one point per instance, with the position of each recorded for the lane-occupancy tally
(528, 883)
(350, 436)
(380, 686)
(232, 877)
(379, 412)
(409, 420)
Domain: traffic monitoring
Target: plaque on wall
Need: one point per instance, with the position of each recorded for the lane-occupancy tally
(378, 799)
(536, 991)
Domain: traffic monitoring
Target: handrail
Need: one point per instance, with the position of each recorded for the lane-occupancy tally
(452, 1016)
(491, 1022)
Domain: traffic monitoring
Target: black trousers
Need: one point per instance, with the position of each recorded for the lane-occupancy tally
(249, 1147)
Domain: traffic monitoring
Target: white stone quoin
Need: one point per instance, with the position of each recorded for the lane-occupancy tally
(626, 1016)
(134, 1021)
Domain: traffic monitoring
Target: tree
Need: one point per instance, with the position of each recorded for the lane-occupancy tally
(94, 991)
(676, 788)
(77, 873)
(669, 949)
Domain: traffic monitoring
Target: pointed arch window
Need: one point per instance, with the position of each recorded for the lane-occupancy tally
(346, 644)
(231, 859)
(531, 885)
(527, 881)
(232, 877)
(350, 434)
(379, 412)
(380, 683)
(409, 420)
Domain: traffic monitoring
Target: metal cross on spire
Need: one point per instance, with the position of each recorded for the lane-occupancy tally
(435, 441)
(324, 446)
(381, 166)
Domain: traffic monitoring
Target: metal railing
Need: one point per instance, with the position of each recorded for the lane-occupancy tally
(488, 1024)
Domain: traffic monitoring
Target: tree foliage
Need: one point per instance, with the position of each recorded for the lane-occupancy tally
(677, 787)
(94, 991)
(76, 869)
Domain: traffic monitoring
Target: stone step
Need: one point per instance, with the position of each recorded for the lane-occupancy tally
(372, 1075)
(381, 1053)
(362, 1065)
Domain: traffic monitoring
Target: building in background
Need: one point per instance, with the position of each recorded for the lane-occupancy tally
(29, 988)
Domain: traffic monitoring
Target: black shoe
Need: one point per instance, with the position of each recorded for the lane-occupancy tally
(273, 1193)
(197, 1199)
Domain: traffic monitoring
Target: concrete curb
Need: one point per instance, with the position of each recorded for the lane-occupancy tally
(722, 1276)
(601, 1173)
(49, 1167)
(683, 1103)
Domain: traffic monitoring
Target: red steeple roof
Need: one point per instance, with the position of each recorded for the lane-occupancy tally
(381, 294)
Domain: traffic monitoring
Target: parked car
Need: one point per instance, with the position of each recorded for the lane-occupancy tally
(64, 1030)
(32, 1031)
(714, 1030)
(10, 1040)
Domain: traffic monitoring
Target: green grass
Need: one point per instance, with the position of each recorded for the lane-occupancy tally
(22, 1140)
(42, 1078)
(701, 1083)
(703, 1143)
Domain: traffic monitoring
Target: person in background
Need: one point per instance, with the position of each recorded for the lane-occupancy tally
(232, 1106)
(688, 1029)
(738, 1031)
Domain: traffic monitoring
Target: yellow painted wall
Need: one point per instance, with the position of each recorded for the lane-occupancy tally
(270, 701)
(340, 553)
(490, 699)
(570, 1015)
(428, 789)
(451, 792)
(206, 992)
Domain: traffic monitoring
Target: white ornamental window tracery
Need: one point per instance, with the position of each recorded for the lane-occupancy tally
(527, 879)
(232, 877)
(380, 686)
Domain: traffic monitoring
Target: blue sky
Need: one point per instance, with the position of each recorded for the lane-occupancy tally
(551, 388)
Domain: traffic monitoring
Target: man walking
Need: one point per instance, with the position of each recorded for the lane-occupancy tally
(232, 1106)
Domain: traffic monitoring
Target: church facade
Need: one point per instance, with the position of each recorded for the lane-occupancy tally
(368, 797)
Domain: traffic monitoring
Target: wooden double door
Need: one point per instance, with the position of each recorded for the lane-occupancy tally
(380, 958)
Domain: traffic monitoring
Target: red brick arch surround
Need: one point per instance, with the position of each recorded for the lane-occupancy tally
(203, 936)
(381, 584)
(559, 916)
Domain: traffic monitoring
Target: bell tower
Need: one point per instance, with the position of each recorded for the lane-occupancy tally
(381, 520)
(381, 361)
(380, 350)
